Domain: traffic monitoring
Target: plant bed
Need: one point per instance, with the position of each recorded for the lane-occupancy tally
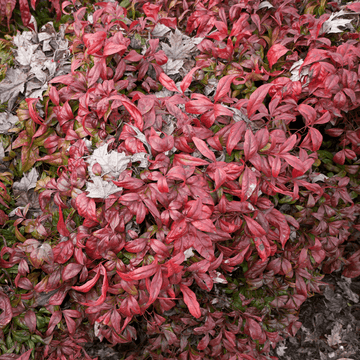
(182, 187)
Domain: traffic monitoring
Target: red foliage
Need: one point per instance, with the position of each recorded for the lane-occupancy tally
(205, 226)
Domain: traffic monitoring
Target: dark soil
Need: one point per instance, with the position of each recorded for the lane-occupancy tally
(330, 324)
(330, 327)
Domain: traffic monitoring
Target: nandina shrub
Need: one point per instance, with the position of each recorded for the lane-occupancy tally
(204, 233)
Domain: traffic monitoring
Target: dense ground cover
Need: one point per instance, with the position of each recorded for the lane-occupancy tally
(179, 176)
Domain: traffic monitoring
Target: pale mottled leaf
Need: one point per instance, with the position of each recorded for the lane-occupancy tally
(27, 182)
(7, 121)
(101, 189)
(11, 86)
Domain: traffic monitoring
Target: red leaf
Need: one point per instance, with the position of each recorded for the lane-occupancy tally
(275, 166)
(141, 273)
(198, 106)
(220, 177)
(248, 185)
(354, 6)
(316, 138)
(86, 207)
(63, 251)
(339, 157)
(155, 286)
(277, 219)
(90, 284)
(33, 114)
(205, 225)
(61, 225)
(135, 246)
(133, 56)
(202, 147)
(191, 301)
(324, 119)
(275, 53)
(254, 227)
(112, 48)
(30, 320)
(24, 11)
(70, 271)
(160, 144)
(185, 83)
(256, 98)
(314, 55)
(151, 10)
(159, 247)
(203, 245)
(308, 113)
(25, 356)
(134, 112)
(250, 145)
(235, 135)
(288, 144)
(94, 42)
(253, 328)
(6, 308)
(54, 320)
(204, 342)
(294, 162)
(223, 86)
(68, 315)
(168, 83)
(104, 289)
(352, 269)
(238, 259)
(187, 160)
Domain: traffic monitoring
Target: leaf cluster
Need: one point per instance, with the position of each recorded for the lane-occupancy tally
(187, 211)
